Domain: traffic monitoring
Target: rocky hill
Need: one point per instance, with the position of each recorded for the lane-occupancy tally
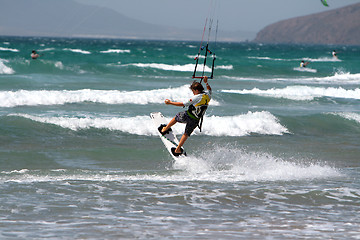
(340, 26)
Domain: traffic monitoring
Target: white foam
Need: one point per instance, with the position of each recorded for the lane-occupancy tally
(228, 67)
(228, 164)
(344, 194)
(5, 69)
(301, 93)
(77, 51)
(320, 59)
(47, 49)
(168, 67)
(116, 51)
(140, 125)
(349, 116)
(241, 125)
(179, 68)
(15, 171)
(9, 49)
(218, 164)
(195, 56)
(52, 97)
(59, 65)
(339, 77)
(269, 58)
(305, 69)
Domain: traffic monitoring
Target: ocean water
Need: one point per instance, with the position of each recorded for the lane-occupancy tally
(278, 157)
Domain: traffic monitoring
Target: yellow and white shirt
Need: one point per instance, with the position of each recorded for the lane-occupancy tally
(198, 105)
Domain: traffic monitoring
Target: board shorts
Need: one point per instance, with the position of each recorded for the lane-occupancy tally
(191, 124)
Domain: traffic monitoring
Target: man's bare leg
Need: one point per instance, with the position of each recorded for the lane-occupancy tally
(184, 137)
(170, 124)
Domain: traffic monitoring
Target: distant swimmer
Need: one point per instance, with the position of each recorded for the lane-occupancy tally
(196, 110)
(304, 64)
(34, 55)
(334, 54)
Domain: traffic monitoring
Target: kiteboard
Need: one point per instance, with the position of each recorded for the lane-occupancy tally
(305, 69)
(169, 138)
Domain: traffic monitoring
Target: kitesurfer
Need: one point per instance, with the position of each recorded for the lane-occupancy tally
(303, 64)
(34, 54)
(334, 54)
(196, 110)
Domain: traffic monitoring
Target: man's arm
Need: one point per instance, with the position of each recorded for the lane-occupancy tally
(207, 84)
(169, 102)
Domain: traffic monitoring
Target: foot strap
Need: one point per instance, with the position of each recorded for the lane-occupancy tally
(166, 132)
(175, 153)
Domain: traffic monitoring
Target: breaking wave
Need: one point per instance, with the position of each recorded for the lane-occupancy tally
(5, 69)
(301, 93)
(116, 51)
(177, 67)
(53, 97)
(263, 123)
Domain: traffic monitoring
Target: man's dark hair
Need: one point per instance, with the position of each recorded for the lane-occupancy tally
(197, 86)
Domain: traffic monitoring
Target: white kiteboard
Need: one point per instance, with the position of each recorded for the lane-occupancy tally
(305, 69)
(169, 139)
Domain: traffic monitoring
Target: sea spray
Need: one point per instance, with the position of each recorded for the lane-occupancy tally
(231, 163)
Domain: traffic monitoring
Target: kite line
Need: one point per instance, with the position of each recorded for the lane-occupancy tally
(205, 47)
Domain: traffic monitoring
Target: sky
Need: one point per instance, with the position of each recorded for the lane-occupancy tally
(233, 15)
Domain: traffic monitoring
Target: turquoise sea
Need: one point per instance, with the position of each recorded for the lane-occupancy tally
(278, 156)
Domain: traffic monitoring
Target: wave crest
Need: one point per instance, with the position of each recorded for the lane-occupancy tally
(301, 93)
(5, 69)
(241, 125)
(52, 97)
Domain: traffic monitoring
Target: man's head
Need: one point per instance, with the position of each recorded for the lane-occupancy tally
(196, 86)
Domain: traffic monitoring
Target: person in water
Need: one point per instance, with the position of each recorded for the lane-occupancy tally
(303, 64)
(196, 110)
(34, 54)
(334, 54)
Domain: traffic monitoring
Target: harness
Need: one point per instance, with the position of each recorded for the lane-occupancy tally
(200, 112)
